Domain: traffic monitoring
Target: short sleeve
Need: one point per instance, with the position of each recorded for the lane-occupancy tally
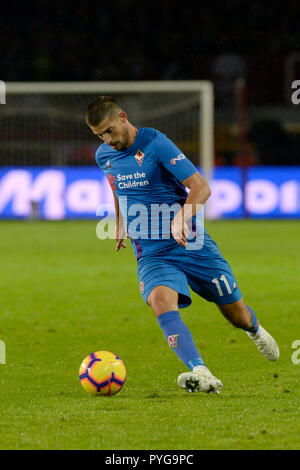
(171, 157)
(102, 158)
(98, 157)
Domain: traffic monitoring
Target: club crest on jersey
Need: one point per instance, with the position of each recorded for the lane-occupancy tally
(139, 156)
(172, 340)
(108, 165)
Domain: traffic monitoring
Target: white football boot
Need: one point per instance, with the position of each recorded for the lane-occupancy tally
(200, 379)
(265, 343)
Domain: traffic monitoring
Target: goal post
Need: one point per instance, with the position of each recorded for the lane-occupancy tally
(194, 99)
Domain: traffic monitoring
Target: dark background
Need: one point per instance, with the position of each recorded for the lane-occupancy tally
(169, 40)
(137, 40)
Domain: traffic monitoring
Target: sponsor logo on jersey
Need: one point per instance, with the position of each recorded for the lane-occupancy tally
(172, 340)
(108, 165)
(139, 156)
(177, 159)
(142, 287)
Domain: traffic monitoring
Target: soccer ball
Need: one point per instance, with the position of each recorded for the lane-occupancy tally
(102, 373)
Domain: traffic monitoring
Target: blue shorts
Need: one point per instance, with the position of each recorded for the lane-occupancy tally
(206, 272)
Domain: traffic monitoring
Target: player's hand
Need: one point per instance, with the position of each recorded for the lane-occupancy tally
(120, 234)
(120, 244)
(180, 231)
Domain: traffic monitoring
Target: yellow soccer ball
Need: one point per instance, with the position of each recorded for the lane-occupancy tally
(102, 373)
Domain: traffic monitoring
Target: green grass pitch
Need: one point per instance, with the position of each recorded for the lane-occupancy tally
(65, 294)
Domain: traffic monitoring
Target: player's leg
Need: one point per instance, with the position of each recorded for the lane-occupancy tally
(163, 299)
(164, 303)
(242, 316)
(214, 281)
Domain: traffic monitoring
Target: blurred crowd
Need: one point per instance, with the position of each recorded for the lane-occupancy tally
(157, 40)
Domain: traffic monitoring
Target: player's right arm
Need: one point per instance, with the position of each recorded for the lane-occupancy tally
(121, 231)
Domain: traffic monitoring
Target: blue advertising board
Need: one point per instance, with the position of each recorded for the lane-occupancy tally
(78, 192)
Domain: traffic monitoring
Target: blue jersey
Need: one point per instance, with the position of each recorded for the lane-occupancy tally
(145, 177)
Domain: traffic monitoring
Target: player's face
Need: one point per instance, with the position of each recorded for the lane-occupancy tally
(113, 131)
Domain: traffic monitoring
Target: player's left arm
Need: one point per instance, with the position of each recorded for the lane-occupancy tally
(171, 157)
(198, 195)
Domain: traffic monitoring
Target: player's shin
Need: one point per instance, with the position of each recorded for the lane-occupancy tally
(180, 339)
(254, 322)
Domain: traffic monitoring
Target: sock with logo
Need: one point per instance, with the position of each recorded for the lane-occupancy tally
(180, 339)
(255, 324)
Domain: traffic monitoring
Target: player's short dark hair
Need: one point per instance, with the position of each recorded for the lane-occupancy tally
(99, 109)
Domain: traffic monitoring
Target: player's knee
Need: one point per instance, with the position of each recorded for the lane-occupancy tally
(161, 303)
(160, 306)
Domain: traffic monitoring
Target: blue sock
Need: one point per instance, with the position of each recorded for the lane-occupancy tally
(255, 325)
(180, 339)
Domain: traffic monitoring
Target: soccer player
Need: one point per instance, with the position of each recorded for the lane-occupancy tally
(148, 172)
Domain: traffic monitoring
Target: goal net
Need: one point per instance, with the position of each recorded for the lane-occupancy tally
(43, 124)
(45, 141)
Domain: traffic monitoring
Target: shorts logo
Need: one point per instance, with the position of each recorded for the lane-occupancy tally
(235, 286)
(142, 287)
(139, 156)
(177, 159)
(172, 340)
